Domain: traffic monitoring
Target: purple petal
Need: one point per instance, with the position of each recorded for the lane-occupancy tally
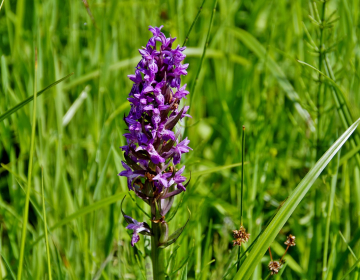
(135, 238)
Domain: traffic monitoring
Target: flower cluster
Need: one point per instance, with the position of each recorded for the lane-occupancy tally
(274, 266)
(241, 236)
(153, 149)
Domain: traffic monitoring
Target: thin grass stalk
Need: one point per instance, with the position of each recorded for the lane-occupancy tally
(203, 54)
(242, 175)
(193, 23)
(27, 198)
(45, 225)
(348, 246)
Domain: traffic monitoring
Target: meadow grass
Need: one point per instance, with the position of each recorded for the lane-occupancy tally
(261, 69)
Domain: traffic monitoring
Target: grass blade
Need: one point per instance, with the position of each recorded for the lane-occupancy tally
(289, 207)
(8, 267)
(27, 198)
(26, 101)
(193, 23)
(203, 54)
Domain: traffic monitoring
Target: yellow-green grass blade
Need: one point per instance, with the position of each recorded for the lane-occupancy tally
(26, 101)
(270, 233)
(45, 226)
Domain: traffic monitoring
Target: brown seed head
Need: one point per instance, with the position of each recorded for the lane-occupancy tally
(274, 267)
(290, 241)
(241, 236)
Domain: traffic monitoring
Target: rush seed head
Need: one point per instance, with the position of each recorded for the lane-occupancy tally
(274, 267)
(241, 236)
(290, 241)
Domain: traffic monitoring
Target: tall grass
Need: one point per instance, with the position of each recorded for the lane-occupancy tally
(250, 75)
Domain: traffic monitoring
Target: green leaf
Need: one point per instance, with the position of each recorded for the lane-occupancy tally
(270, 233)
(26, 101)
(172, 238)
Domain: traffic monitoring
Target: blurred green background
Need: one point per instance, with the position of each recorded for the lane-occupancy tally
(250, 76)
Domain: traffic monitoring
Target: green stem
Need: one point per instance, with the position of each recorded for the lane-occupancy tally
(242, 193)
(239, 259)
(242, 175)
(204, 52)
(157, 254)
(193, 23)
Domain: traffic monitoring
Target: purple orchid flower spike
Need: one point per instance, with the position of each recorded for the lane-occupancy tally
(153, 150)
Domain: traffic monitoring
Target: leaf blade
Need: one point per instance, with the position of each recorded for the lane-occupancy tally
(26, 101)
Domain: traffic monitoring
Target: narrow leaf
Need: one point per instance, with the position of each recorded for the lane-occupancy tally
(26, 101)
(172, 238)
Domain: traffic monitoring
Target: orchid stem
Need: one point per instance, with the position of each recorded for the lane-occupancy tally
(157, 254)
